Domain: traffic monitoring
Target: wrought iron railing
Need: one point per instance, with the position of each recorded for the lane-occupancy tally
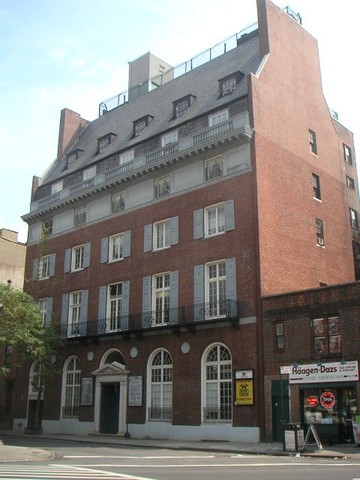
(162, 153)
(70, 411)
(188, 315)
(160, 414)
(218, 414)
(212, 132)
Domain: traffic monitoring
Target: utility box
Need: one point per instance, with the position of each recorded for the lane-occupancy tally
(293, 437)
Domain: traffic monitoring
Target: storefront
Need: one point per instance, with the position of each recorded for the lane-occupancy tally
(328, 398)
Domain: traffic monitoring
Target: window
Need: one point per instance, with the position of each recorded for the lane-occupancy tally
(89, 173)
(74, 316)
(327, 335)
(161, 235)
(114, 307)
(73, 156)
(319, 232)
(56, 187)
(44, 267)
(35, 381)
(71, 388)
(74, 313)
(312, 140)
(347, 154)
(214, 220)
(216, 290)
(214, 168)
(160, 300)
(180, 106)
(126, 157)
(316, 186)
(280, 339)
(228, 84)
(80, 216)
(169, 139)
(105, 141)
(140, 124)
(118, 202)
(354, 218)
(116, 247)
(162, 186)
(77, 258)
(47, 226)
(160, 375)
(217, 392)
(43, 309)
(217, 118)
(350, 182)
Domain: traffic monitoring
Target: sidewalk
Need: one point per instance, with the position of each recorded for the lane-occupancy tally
(9, 453)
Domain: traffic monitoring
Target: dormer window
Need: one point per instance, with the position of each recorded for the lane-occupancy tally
(56, 187)
(228, 84)
(89, 173)
(104, 142)
(141, 124)
(181, 105)
(73, 156)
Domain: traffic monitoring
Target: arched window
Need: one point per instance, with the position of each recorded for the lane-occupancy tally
(71, 388)
(160, 387)
(217, 381)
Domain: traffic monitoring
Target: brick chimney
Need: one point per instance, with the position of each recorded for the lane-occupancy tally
(71, 124)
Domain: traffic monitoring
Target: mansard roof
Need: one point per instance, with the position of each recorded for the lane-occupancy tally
(201, 82)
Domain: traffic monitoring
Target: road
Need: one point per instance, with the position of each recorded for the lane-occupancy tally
(94, 461)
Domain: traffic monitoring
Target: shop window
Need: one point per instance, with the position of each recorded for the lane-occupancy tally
(327, 335)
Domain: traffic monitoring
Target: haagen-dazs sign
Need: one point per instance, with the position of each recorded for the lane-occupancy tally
(326, 372)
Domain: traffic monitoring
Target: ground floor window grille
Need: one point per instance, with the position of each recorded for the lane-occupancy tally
(72, 386)
(160, 409)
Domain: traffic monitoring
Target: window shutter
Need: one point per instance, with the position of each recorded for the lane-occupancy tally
(148, 238)
(67, 260)
(198, 224)
(125, 305)
(127, 243)
(104, 256)
(199, 292)
(35, 272)
(174, 230)
(87, 248)
(52, 265)
(146, 306)
(173, 298)
(84, 312)
(229, 215)
(231, 285)
(64, 314)
(102, 310)
(49, 304)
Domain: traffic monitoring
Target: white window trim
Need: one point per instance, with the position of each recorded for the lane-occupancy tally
(122, 197)
(218, 118)
(166, 224)
(126, 157)
(169, 138)
(112, 238)
(160, 182)
(45, 258)
(56, 187)
(206, 220)
(73, 385)
(214, 160)
(207, 289)
(89, 173)
(149, 383)
(119, 299)
(73, 258)
(153, 297)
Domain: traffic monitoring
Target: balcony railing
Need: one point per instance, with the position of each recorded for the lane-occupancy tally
(237, 126)
(187, 316)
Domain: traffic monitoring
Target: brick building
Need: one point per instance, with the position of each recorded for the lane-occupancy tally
(168, 218)
(300, 377)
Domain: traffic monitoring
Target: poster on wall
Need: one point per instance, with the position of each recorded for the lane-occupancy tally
(86, 391)
(135, 391)
(244, 387)
(356, 429)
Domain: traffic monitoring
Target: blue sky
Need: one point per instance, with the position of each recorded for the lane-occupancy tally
(75, 53)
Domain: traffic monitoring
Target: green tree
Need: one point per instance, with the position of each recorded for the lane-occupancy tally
(22, 327)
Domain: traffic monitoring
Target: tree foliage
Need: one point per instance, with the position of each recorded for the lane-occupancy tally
(21, 326)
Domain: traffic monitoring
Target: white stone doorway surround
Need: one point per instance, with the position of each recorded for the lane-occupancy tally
(112, 373)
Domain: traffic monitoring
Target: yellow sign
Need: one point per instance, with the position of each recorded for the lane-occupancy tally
(244, 392)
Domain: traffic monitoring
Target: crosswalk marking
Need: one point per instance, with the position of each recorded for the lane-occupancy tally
(58, 472)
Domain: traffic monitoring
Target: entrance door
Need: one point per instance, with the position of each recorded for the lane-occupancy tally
(280, 408)
(109, 408)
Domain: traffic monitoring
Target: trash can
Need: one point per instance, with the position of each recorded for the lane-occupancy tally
(293, 437)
